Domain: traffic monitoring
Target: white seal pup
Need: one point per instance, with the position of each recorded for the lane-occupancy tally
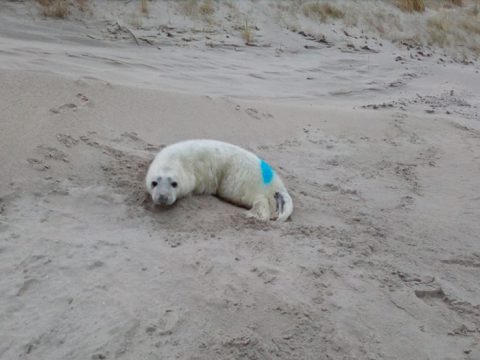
(222, 169)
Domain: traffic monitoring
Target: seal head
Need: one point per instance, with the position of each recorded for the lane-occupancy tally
(163, 188)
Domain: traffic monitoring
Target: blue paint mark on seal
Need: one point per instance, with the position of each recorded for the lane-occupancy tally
(267, 172)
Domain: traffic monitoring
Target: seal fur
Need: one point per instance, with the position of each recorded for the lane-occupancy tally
(222, 169)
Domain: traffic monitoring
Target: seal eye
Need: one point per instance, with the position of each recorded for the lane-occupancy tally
(174, 184)
(154, 183)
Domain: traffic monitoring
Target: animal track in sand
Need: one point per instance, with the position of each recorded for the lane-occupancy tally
(398, 123)
(128, 337)
(49, 153)
(38, 164)
(27, 284)
(52, 153)
(67, 140)
(82, 99)
(405, 202)
(407, 173)
(429, 156)
(63, 108)
(167, 324)
(267, 275)
(319, 137)
(285, 145)
(31, 346)
(403, 171)
(255, 114)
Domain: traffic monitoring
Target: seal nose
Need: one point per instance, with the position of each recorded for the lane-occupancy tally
(162, 199)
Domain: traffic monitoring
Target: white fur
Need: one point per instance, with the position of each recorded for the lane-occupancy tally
(217, 168)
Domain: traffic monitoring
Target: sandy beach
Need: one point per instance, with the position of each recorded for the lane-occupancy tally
(376, 134)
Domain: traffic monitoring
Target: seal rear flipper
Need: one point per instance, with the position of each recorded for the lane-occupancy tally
(280, 201)
(284, 205)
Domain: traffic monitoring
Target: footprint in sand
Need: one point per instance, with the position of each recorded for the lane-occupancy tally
(95, 265)
(67, 140)
(255, 114)
(51, 153)
(63, 108)
(30, 346)
(166, 325)
(38, 164)
(27, 284)
(267, 275)
(82, 98)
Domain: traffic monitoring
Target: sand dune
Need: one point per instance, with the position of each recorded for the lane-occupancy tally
(379, 149)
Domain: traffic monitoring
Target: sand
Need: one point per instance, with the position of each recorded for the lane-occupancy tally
(380, 260)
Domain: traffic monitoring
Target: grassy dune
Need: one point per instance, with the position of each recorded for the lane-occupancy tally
(453, 25)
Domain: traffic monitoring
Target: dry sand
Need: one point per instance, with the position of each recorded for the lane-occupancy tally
(381, 258)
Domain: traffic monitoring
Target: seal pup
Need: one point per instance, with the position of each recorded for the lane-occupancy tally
(218, 168)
